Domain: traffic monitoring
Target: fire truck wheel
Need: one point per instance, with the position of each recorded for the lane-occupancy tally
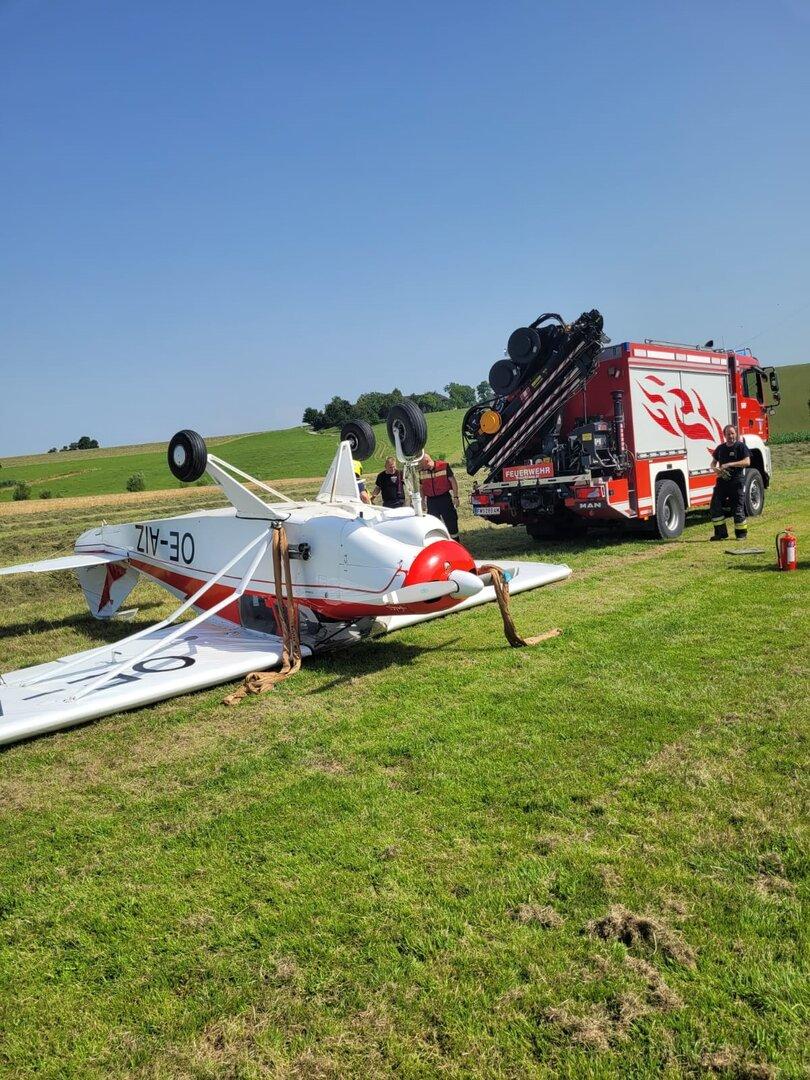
(187, 456)
(754, 493)
(670, 510)
(360, 437)
(408, 420)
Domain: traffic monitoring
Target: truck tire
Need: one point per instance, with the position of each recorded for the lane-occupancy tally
(187, 456)
(408, 420)
(360, 436)
(754, 493)
(670, 510)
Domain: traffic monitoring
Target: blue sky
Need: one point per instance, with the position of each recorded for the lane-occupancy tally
(215, 214)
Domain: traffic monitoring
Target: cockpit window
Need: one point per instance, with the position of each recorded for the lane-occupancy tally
(257, 615)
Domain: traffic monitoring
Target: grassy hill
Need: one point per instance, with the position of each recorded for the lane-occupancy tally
(793, 414)
(286, 454)
(289, 453)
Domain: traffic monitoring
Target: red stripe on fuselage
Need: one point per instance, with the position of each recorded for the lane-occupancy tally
(341, 610)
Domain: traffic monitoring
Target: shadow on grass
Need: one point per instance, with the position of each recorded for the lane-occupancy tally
(370, 658)
(98, 629)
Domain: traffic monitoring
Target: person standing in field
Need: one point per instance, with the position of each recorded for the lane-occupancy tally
(729, 460)
(439, 492)
(390, 485)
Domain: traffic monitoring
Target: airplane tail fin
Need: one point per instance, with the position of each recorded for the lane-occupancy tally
(340, 482)
(106, 587)
(106, 580)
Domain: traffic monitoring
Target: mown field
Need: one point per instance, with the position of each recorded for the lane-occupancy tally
(431, 855)
(287, 454)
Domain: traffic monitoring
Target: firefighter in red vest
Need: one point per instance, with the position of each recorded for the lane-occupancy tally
(439, 492)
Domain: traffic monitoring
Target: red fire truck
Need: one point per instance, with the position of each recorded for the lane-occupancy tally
(579, 433)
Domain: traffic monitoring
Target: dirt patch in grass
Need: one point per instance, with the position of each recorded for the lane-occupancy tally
(770, 885)
(601, 1024)
(328, 765)
(659, 994)
(591, 1029)
(537, 915)
(730, 1062)
(633, 930)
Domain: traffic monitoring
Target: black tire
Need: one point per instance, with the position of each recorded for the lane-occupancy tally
(408, 419)
(670, 510)
(360, 437)
(754, 493)
(187, 456)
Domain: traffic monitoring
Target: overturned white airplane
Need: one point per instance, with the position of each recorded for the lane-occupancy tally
(345, 569)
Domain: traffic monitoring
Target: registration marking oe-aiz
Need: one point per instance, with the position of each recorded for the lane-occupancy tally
(177, 546)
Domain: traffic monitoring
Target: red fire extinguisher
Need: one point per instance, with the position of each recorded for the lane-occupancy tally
(786, 550)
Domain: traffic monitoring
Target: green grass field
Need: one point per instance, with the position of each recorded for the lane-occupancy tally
(399, 863)
(793, 413)
(269, 455)
(287, 454)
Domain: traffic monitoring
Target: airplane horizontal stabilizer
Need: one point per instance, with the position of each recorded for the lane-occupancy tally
(65, 562)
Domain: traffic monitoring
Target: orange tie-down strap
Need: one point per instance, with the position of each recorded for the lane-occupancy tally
(256, 682)
(502, 596)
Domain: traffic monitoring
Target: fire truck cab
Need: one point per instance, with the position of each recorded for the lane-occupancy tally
(635, 442)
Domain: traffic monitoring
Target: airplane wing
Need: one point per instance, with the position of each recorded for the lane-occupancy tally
(523, 576)
(40, 699)
(65, 562)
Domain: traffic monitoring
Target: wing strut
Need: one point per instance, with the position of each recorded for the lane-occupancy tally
(262, 540)
(192, 600)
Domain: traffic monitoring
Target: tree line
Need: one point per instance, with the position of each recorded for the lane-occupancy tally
(373, 406)
(84, 443)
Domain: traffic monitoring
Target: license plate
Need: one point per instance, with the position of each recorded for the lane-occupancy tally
(487, 511)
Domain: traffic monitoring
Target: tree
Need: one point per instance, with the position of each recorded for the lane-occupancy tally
(461, 395)
(484, 391)
(84, 443)
(311, 417)
(338, 412)
(430, 401)
(52, 450)
(370, 407)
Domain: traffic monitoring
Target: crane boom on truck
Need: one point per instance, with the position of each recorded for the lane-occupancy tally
(579, 433)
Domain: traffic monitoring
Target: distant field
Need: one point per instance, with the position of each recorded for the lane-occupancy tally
(287, 454)
(270, 455)
(793, 414)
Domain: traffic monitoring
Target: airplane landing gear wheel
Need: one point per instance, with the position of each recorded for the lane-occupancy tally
(360, 436)
(187, 456)
(408, 421)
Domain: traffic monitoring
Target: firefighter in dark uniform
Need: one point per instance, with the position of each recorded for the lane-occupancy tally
(729, 460)
(439, 492)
